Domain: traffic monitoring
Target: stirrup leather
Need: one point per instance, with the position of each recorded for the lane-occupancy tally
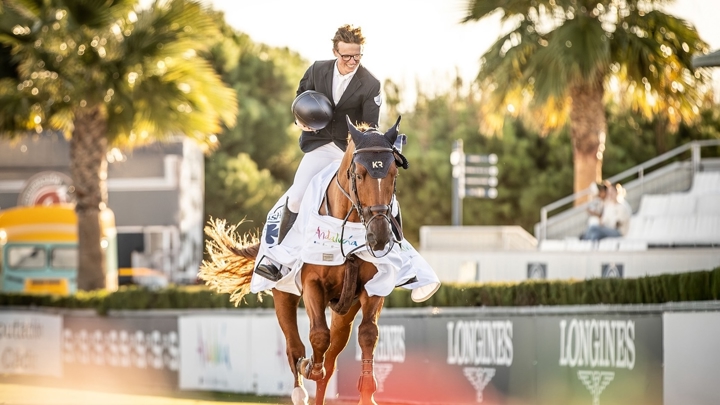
(286, 222)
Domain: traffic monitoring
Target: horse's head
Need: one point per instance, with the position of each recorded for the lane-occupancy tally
(372, 174)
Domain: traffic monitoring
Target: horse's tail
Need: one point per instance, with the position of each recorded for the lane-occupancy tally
(232, 260)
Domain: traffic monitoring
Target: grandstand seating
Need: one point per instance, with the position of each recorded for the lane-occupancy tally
(706, 183)
(680, 219)
(675, 228)
(708, 205)
(687, 219)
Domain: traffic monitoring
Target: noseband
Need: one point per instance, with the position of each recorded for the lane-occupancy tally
(374, 212)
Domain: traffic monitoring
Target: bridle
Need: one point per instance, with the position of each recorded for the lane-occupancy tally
(371, 213)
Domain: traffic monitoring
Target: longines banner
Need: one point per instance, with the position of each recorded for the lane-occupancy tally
(511, 359)
(137, 350)
(600, 359)
(30, 343)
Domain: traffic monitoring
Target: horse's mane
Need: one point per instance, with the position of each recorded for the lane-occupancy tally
(362, 127)
(367, 130)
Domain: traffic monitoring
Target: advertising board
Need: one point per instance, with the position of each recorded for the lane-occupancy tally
(494, 359)
(30, 343)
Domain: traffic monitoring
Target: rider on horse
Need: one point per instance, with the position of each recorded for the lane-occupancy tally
(355, 95)
(347, 251)
(340, 87)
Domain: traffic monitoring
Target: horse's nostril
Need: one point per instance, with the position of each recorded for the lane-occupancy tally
(371, 239)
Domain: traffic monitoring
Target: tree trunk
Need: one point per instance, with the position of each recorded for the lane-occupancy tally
(588, 130)
(88, 166)
(661, 125)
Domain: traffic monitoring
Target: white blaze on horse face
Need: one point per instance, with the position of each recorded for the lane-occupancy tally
(380, 186)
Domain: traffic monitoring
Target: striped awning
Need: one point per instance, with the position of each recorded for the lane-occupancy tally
(710, 60)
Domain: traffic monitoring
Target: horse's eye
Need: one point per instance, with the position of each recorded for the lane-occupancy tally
(358, 177)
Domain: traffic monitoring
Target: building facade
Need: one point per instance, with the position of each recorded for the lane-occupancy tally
(155, 191)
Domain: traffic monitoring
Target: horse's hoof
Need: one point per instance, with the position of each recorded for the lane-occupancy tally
(299, 396)
(303, 366)
(308, 371)
(317, 375)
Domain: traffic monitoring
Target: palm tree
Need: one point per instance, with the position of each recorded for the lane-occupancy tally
(105, 73)
(563, 57)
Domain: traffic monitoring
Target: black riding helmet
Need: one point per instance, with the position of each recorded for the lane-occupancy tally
(313, 110)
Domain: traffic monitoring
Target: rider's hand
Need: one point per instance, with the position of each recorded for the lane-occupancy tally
(303, 127)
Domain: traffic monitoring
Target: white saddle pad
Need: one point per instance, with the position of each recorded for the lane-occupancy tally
(317, 239)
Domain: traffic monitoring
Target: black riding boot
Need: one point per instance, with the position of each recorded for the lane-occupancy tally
(269, 270)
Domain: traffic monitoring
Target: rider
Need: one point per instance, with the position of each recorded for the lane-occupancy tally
(354, 92)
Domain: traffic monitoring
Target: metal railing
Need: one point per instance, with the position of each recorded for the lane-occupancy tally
(640, 171)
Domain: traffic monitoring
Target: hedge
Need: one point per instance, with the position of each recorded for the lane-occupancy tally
(692, 286)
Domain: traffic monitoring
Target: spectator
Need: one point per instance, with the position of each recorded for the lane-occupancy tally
(595, 207)
(615, 217)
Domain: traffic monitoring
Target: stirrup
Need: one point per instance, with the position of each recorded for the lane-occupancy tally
(269, 271)
(286, 222)
(414, 279)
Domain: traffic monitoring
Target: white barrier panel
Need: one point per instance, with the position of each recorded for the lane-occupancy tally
(692, 358)
(268, 359)
(139, 350)
(239, 353)
(30, 343)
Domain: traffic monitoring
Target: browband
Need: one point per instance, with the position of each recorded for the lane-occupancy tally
(373, 149)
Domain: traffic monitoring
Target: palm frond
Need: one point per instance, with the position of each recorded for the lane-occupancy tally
(188, 98)
(506, 60)
(181, 24)
(578, 51)
(96, 14)
(14, 110)
(175, 91)
(13, 15)
(479, 9)
(641, 50)
(653, 54)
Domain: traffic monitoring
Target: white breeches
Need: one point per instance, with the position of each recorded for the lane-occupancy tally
(310, 165)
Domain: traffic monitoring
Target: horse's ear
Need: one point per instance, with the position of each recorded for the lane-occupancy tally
(393, 132)
(354, 132)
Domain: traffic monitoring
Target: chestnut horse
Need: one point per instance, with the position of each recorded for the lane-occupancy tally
(361, 191)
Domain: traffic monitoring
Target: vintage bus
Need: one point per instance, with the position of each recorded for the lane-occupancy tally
(39, 249)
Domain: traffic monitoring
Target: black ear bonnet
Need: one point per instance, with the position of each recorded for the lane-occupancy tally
(376, 151)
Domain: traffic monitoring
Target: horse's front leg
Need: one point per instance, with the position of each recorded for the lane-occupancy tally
(340, 329)
(368, 334)
(286, 306)
(316, 301)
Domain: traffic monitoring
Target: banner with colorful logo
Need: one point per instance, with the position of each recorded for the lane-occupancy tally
(244, 352)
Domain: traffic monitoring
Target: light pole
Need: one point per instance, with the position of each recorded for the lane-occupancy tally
(457, 159)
